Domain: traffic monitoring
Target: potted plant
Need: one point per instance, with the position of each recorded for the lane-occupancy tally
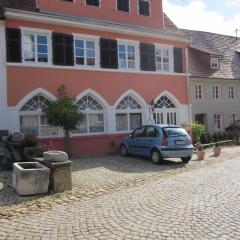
(200, 151)
(216, 150)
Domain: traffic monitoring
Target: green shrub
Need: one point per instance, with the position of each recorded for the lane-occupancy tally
(30, 141)
(215, 137)
(197, 131)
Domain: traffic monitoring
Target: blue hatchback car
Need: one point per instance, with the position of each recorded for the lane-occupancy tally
(158, 141)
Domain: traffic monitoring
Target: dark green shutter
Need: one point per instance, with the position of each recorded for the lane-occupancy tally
(13, 42)
(109, 54)
(178, 61)
(147, 57)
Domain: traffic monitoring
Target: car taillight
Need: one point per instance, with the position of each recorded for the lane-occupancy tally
(164, 141)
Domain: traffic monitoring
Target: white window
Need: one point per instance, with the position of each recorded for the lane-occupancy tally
(92, 120)
(164, 58)
(231, 92)
(85, 52)
(214, 63)
(35, 47)
(32, 119)
(128, 114)
(127, 55)
(218, 121)
(234, 117)
(199, 91)
(216, 93)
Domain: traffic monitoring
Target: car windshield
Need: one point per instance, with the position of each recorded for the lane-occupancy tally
(170, 131)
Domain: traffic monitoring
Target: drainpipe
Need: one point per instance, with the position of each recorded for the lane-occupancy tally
(188, 87)
(37, 5)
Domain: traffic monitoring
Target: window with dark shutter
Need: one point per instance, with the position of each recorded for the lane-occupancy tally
(62, 49)
(144, 7)
(93, 2)
(178, 64)
(123, 5)
(13, 42)
(109, 57)
(147, 57)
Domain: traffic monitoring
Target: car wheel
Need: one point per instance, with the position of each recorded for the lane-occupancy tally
(123, 151)
(186, 159)
(156, 156)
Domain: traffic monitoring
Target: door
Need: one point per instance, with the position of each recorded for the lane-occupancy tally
(136, 145)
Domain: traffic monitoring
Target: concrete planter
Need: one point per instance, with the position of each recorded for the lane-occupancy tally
(200, 155)
(216, 151)
(55, 156)
(30, 178)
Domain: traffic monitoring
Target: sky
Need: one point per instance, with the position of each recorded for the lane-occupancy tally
(218, 16)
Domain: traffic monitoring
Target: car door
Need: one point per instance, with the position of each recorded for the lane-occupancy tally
(151, 139)
(135, 144)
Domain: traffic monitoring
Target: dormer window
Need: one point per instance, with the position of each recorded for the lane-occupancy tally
(123, 5)
(214, 63)
(144, 7)
(92, 2)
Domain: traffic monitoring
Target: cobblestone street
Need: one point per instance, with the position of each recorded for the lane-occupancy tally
(130, 198)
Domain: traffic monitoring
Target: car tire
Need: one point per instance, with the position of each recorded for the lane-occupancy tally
(123, 150)
(156, 156)
(186, 159)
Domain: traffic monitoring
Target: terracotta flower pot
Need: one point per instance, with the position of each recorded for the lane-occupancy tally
(200, 155)
(216, 151)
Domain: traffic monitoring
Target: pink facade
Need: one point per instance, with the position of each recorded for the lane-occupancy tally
(109, 85)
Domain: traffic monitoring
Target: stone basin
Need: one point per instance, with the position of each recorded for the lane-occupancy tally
(55, 156)
(30, 178)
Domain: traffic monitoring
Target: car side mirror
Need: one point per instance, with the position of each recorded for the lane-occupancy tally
(131, 136)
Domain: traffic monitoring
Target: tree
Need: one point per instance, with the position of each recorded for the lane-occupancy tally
(63, 113)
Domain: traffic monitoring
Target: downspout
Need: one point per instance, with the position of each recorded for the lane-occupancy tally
(37, 5)
(188, 87)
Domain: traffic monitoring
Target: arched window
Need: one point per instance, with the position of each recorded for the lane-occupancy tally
(128, 114)
(165, 102)
(165, 111)
(32, 119)
(92, 120)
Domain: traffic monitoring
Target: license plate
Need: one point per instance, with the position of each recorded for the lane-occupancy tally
(180, 142)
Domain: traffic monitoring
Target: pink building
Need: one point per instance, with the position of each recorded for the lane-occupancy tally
(116, 57)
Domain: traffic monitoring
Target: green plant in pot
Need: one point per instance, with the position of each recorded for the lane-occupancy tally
(216, 150)
(200, 151)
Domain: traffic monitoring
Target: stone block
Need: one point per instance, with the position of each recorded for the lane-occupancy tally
(30, 178)
(55, 156)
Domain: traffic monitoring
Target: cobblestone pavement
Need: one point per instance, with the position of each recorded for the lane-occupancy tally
(200, 200)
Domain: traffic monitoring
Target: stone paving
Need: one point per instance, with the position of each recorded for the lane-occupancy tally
(130, 198)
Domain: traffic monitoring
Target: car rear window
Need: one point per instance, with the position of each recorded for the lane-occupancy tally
(170, 131)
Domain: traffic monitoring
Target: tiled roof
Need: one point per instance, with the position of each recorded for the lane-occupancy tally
(205, 44)
(170, 26)
(28, 5)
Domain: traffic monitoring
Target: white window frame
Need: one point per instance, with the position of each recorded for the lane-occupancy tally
(129, 2)
(214, 62)
(216, 92)
(85, 38)
(234, 117)
(231, 92)
(220, 115)
(36, 32)
(150, 8)
(135, 44)
(100, 2)
(169, 48)
(198, 87)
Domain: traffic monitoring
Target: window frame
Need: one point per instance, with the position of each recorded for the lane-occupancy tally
(150, 8)
(85, 38)
(231, 92)
(220, 119)
(89, 5)
(129, 7)
(216, 92)
(169, 48)
(36, 32)
(196, 88)
(214, 61)
(127, 43)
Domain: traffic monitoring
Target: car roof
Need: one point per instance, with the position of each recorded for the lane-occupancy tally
(161, 125)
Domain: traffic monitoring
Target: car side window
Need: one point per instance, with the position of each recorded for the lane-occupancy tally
(139, 132)
(151, 132)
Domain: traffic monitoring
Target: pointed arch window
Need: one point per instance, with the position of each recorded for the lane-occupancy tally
(128, 114)
(93, 116)
(165, 102)
(32, 119)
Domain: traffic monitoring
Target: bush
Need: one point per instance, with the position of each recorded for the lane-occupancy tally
(30, 141)
(197, 131)
(220, 135)
(215, 137)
